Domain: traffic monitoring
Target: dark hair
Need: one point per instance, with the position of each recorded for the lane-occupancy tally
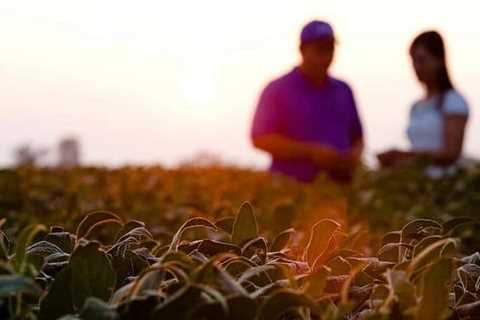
(433, 42)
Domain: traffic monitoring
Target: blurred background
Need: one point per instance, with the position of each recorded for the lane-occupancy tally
(141, 82)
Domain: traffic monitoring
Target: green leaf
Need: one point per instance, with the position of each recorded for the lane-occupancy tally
(245, 226)
(468, 276)
(128, 265)
(138, 233)
(70, 317)
(473, 258)
(23, 240)
(130, 225)
(140, 308)
(427, 255)
(434, 301)
(425, 242)
(402, 291)
(58, 301)
(213, 247)
(92, 274)
(281, 240)
(191, 223)
(122, 294)
(226, 224)
(241, 308)
(43, 248)
(95, 219)
(283, 216)
(339, 266)
(150, 279)
(391, 251)
(282, 301)
(375, 267)
(4, 248)
(413, 228)
(469, 310)
(357, 241)
(63, 240)
(217, 308)
(178, 305)
(237, 265)
(449, 226)
(349, 291)
(258, 247)
(391, 237)
(213, 274)
(259, 275)
(268, 289)
(316, 282)
(320, 236)
(326, 254)
(15, 284)
(95, 309)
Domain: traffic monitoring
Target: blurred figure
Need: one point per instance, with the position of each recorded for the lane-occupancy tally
(202, 159)
(308, 120)
(69, 153)
(26, 155)
(438, 120)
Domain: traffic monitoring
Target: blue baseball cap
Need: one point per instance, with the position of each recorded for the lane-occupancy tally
(316, 30)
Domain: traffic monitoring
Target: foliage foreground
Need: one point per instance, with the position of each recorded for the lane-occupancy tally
(225, 269)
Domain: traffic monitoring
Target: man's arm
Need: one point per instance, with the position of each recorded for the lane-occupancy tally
(356, 133)
(357, 150)
(283, 147)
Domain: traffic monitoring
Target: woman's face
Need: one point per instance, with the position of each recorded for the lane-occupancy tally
(426, 65)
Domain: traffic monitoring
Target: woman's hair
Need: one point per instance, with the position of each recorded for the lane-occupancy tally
(432, 41)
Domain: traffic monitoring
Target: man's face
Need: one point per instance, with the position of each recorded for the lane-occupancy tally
(318, 55)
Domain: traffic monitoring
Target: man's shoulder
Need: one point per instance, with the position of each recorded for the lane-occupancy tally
(340, 84)
(281, 82)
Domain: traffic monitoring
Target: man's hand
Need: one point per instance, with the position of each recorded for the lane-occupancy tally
(386, 158)
(324, 156)
(393, 157)
(345, 166)
(340, 165)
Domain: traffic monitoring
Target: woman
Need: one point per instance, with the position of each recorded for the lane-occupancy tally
(438, 120)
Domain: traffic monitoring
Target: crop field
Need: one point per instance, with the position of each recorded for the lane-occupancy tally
(229, 243)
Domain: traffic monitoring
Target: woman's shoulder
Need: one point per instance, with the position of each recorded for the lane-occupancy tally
(415, 106)
(455, 103)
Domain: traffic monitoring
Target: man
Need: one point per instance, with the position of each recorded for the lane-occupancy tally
(307, 120)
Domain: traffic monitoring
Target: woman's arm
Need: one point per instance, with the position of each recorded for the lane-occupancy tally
(454, 131)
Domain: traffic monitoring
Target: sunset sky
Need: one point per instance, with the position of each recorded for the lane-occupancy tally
(147, 81)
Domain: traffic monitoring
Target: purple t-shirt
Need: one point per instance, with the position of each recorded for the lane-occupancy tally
(295, 108)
